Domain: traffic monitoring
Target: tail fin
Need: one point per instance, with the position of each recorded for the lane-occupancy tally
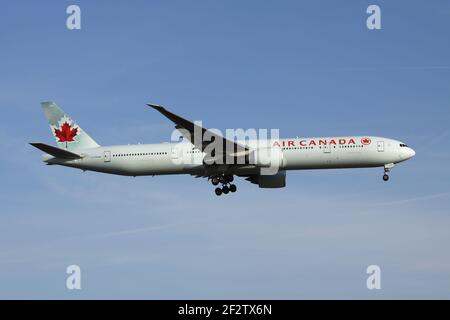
(67, 133)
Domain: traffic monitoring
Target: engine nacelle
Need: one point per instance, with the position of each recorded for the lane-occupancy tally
(272, 181)
(267, 158)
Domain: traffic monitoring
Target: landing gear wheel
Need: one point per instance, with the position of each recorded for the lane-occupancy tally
(218, 191)
(233, 188)
(385, 177)
(215, 181)
(225, 189)
(230, 178)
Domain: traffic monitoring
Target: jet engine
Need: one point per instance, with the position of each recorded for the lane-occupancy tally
(267, 158)
(277, 180)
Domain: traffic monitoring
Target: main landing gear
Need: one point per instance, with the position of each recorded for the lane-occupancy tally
(225, 180)
(387, 169)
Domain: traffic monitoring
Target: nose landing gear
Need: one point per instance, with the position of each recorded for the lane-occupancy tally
(387, 169)
(227, 187)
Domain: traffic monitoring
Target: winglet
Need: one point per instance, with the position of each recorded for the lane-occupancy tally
(156, 106)
(179, 121)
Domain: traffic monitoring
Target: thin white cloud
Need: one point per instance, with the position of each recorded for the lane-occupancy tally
(414, 199)
(129, 232)
(418, 68)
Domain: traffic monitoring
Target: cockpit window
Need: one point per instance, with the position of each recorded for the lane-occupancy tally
(403, 145)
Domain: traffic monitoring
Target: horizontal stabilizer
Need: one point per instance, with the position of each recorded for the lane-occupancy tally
(56, 152)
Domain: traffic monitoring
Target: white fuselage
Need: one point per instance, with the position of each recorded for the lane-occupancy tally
(297, 154)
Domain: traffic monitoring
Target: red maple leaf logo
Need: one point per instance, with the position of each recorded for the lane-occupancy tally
(66, 133)
(366, 141)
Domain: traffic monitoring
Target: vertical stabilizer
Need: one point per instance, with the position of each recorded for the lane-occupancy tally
(67, 133)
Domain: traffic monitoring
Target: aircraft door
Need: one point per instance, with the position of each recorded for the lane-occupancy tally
(327, 148)
(107, 156)
(380, 146)
(175, 153)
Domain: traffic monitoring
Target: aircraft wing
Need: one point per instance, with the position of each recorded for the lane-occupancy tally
(230, 148)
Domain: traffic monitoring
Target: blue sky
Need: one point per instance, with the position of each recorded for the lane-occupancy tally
(309, 68)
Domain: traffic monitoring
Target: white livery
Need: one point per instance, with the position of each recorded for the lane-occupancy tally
(248, 158)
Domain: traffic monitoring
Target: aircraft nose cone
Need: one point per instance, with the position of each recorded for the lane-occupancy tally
(406, 153)
(410, 153)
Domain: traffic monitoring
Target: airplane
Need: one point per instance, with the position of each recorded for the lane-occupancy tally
(250, 159)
